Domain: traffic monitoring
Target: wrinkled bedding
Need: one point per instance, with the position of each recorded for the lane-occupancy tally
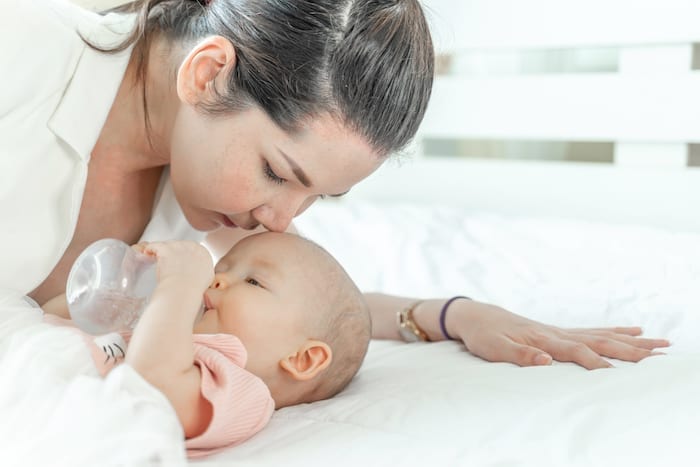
(418, 404)
(56, 410)
(435, 404)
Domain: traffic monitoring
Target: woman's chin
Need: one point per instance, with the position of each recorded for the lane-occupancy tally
(204, 222)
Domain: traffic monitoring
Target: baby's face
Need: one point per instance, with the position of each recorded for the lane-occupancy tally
(260, 296)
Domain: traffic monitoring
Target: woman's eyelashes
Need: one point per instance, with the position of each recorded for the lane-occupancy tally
(272, 176)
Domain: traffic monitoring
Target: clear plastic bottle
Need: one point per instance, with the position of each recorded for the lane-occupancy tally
(109, 286)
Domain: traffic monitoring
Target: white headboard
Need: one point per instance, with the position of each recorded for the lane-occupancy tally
(641, 100)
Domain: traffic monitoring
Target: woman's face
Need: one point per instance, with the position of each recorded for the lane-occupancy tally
(243, 170)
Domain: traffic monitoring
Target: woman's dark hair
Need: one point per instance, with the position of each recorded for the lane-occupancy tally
(368, 62)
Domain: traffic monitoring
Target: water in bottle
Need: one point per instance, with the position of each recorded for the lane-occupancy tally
(109, 286)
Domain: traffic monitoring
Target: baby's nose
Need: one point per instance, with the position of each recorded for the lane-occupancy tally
(219, 282)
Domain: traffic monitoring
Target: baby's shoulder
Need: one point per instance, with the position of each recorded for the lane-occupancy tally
(220, 348)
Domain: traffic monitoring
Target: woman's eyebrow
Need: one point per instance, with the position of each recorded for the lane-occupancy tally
(301, 175)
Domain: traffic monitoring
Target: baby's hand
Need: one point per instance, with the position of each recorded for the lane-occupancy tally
(181, 260)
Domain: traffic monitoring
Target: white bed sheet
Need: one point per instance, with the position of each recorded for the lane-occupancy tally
(420, 404)
(436, 404)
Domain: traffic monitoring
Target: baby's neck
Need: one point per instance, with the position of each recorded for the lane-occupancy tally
(284, 390)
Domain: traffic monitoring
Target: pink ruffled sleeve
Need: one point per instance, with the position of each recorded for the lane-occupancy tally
(241, 401)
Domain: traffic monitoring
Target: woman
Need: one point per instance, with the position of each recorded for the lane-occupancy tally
(244, 112)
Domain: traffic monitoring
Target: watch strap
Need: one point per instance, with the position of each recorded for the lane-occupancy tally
(408, 329)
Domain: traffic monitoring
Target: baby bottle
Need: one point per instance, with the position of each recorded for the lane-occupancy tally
(109, 286)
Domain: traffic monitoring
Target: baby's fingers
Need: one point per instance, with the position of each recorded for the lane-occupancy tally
(140, 247)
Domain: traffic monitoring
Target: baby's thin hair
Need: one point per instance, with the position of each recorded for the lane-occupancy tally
(346, 327)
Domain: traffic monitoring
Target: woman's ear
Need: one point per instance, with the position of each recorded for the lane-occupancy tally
(202, 66)
(309, 361)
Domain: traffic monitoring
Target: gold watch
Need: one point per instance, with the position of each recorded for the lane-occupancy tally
(409, 330)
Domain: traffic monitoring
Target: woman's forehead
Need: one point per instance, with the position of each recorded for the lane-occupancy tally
(325, 141)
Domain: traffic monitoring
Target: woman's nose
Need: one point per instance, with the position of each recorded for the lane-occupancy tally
(276, 217)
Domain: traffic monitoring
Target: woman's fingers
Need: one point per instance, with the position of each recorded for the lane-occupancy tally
(497, 335)
(641, 342)
(503, 349)
(617, 348)
(587, 348)
(628, 330)
(604, 338)
(587, 352)
(628, 335)
(576, 352)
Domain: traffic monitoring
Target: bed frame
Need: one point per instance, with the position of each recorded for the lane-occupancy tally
(647, 106)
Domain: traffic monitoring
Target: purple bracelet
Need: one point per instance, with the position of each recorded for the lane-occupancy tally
(443, 315)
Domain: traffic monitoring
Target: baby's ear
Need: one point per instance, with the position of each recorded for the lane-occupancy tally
(309, 361)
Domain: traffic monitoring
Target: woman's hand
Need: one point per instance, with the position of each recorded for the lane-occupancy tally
(497, 335)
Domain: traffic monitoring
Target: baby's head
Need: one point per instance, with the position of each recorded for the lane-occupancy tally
(301, 318)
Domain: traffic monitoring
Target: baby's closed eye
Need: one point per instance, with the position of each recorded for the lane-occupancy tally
(253, 281)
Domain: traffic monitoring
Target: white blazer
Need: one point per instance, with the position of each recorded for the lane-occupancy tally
(55, 94)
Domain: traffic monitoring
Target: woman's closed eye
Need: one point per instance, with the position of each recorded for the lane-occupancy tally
(272, 176)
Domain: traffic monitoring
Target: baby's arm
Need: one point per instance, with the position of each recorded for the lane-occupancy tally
(161, 348)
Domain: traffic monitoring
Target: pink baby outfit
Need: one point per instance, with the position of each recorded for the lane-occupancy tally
(242, 404)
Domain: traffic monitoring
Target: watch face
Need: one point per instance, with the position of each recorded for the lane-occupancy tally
(407, 335)
(408, 329)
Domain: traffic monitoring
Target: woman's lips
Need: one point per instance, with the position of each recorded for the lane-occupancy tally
(226, 222)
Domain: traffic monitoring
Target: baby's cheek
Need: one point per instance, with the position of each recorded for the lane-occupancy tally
(205, 324)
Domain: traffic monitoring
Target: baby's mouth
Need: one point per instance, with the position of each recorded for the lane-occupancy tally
(200, 313)
(204, 307)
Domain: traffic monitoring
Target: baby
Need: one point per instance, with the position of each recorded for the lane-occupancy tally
(282, 324)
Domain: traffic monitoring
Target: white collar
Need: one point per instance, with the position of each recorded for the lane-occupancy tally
(88, 97)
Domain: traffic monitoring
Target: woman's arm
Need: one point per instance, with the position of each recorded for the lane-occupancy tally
(491, 332)
(57, 306)
(161, 348)
(497, 335)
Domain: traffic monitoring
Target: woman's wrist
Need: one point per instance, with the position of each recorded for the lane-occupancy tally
(443, 315)
(427, 316)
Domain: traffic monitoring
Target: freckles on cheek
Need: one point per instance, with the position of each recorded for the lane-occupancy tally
(245, 190)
